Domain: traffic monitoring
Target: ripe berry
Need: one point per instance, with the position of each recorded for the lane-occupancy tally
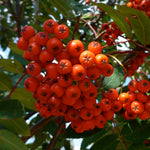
(101, 60)
(78, 72)
(45, 57)
(31, 84)
(57, 90)
(87, 59)
(34, 69)
(51, 71)
(91, 93)
(124, 97)
(27, 32)
(108, 115)
(53, 102)
(41, 38)
(116, 106)
(61, 31)
(107, 70)
(22, 44)
(85, 84)
(54, 45)
(106, 104)
(64, 66)
(86, 114)
(144, 85)
(75, 47)
(65, 80)
(49, 26)
(133, 86)
(100, 121)
(44, 92)
(73, 92)
(137, 107)
(93, 72)
(95, 47)
(34, 48)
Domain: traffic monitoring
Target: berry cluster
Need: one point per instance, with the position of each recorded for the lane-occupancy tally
(62, 77)
(142, 5)
(112, 32)
(136, 102)
(134, 64)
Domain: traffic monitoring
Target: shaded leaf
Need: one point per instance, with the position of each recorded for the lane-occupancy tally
(49, 10)
(24, 97)
(136, 132)
(140, 23)
(108, 142)
(138, 146)
(11, 65)
(9, 141)
(10, 109)
(89, 140)
(118, 18)
(5, 82)
(15, 49)
(39, 138)
(115, 79)
(63, 7)
(18, 126)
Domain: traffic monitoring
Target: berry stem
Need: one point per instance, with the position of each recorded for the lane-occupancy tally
(92, 29)
(53, 141)
(16, 85)
(118, 131)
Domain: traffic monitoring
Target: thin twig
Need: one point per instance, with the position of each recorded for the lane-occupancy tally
(53, 141)
(16, 85)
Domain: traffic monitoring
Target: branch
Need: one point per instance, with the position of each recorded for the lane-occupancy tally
(16, 15)
(43, 122)
(16, 85)
(53, 141)
(92, 29)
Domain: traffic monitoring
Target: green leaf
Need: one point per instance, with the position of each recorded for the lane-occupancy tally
(5, 82)
(136, 132)
(39, 138)
(11, 65)
(108, 142)
(9, 141)
(63, 7)
(18, 126)
(15, 49)
(89, 140)
(115, 79)
(24, 97)
(118, 19)
(49, 10)
(138, 146)
(10, 109)
(140, 23)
